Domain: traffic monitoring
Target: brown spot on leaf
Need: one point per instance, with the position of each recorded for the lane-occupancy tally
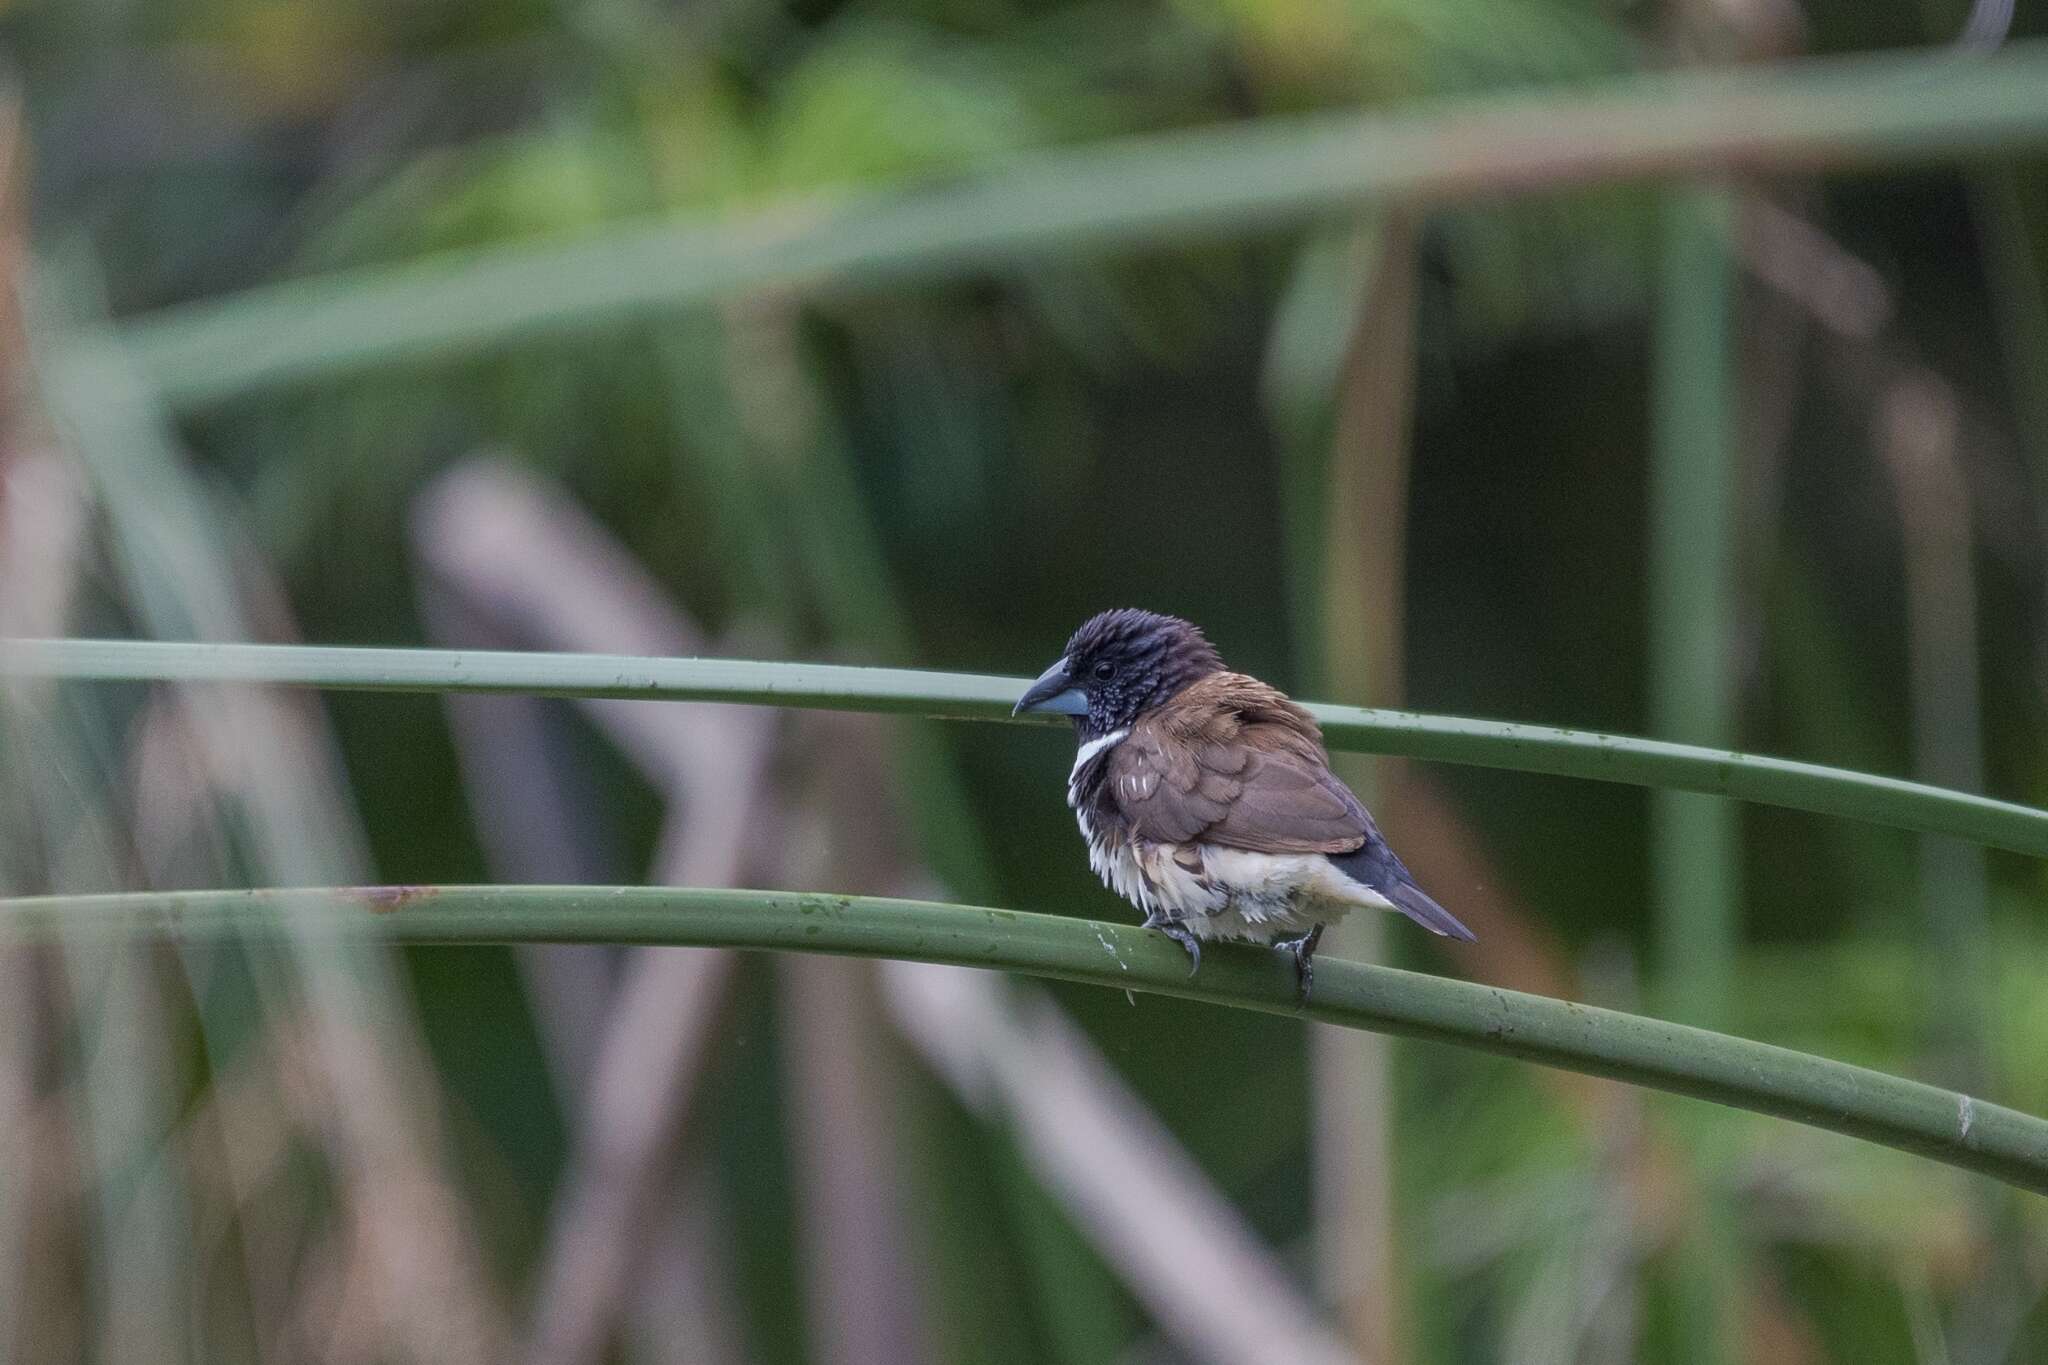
(382, 900)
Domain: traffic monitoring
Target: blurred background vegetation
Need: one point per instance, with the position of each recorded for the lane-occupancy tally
(1761, 464)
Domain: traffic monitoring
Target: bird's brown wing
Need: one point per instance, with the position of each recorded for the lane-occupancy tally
(1238, 791)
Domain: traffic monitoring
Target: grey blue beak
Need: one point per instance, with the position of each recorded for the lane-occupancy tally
(1054, 691)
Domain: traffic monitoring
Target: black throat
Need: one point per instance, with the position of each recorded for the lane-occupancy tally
(1130, 662)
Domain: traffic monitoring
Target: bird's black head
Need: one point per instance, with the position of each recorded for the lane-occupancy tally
(1119, 665)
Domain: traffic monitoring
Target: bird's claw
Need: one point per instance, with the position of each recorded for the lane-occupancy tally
(1174, 931)
(1304, 951)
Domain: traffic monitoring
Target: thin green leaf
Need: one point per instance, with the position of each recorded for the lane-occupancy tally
(1836, 111)
(974, 696)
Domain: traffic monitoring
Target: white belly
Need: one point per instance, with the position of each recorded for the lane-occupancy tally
(1217, 892)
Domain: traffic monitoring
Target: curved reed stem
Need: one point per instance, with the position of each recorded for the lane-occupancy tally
(1941, 1125)
(974, 696)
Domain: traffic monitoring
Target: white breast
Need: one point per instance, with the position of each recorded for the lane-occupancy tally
(1219, 892)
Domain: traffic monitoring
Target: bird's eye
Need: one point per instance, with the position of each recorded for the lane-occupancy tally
(1103, 670)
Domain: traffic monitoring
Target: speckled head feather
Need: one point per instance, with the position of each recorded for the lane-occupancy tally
(1129, 661)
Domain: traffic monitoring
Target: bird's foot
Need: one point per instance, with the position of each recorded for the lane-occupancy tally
(1173, 930)
(1304, 950)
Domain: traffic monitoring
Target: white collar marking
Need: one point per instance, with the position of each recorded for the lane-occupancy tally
(1094, 747)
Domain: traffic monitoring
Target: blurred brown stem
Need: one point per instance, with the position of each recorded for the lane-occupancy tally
(1183, 1250)
(176, 563)
(1358, 657)
(845, 1130)
(1922, 436)
(543, 569)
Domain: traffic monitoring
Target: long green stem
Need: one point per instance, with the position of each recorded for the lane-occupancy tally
(1835, 111)
(1942, 1125)
(975, 696)
(1696, 861)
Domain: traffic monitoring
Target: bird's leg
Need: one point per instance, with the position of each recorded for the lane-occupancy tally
(1173, 930)
(1304, 950)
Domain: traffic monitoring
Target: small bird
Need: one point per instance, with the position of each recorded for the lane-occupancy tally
(1206, 797)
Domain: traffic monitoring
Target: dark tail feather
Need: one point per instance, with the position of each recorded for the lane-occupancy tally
(1412, 901)
(1376, 866)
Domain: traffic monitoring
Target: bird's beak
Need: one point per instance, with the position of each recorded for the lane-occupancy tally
(1054, 691)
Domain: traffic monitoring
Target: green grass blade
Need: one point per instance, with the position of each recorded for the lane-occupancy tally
(1694, 609)
(1831, 112)
(973, 696)
(1942, 1125)
(1696, 860)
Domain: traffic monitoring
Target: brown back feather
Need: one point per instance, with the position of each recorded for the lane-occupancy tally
(1230, 760)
